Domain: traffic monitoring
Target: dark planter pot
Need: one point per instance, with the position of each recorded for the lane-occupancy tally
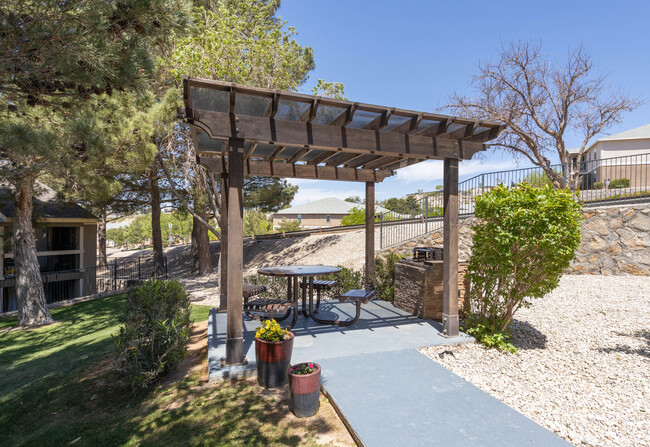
(305, 392)
(273, 359)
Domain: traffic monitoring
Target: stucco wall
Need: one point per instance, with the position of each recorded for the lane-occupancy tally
(615, 241)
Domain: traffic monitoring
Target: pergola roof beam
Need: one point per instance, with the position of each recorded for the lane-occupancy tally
(285, 170)
(359, 161)
(344, 158)
(320, 158)
(436, 129)
(309, 114)
(292, 133)
(249, 151)
(298, 155)
(346, 117)
(380, 162)
(408, 126)
(379, 122)
(273, 155)
(291, 96)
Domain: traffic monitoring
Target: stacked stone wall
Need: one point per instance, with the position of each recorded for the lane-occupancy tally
(615, 241)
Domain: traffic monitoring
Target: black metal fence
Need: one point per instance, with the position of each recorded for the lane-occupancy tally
(604, 181)
(65, 285)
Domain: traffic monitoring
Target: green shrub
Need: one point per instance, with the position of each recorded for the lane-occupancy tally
(598, 185)
(276, 287)
(384, 279)
(346, 279)
(525, 237)
(619, 183)
(286, 225)
(155, 332)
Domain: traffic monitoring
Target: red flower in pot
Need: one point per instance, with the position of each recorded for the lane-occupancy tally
(304, 382)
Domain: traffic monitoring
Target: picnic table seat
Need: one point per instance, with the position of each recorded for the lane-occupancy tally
(266, 308)
(319, 286)
(359, 297)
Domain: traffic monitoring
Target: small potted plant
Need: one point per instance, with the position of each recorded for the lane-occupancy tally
(273, 346)
(304, 382)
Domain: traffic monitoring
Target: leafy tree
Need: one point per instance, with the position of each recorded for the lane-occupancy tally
(524, 239)
(354, 199)
(256, 222)
(407, 205)
(268, 194)
(357, 216)
(55, 56)
(238, 41)
(181, 222)
(541, 102)
(288, 225)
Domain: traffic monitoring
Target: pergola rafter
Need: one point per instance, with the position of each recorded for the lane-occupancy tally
(240, 130)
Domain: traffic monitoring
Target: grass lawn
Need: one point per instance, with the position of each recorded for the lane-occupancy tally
(57, 388)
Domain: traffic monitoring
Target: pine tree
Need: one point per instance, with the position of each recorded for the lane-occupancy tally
(55, 56)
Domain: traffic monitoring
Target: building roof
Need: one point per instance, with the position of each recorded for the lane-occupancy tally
(632, 134)
(46, 204)
(330, 205)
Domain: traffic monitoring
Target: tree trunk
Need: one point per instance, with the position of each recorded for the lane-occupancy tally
(30, 296)
(201, 261)
(102, 260)
(156, 232)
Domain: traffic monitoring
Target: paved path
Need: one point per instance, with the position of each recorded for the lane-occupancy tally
(390, 394)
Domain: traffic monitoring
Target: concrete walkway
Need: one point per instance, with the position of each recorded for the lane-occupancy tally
(389, 393)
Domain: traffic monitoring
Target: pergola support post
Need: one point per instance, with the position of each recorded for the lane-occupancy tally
(370, 231)
(235, 258)
(223, 281)
(450, 324)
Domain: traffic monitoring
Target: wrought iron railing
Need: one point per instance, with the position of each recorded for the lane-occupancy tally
(65, 285)
(605, 181)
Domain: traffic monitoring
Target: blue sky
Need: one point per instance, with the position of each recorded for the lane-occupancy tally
(413, 54)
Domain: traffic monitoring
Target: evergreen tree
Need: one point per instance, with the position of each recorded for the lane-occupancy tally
(54, 57)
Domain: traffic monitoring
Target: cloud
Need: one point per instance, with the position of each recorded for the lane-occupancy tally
(432, 170)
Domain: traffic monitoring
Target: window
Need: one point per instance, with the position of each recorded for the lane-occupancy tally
(299, 217)
(328, 218)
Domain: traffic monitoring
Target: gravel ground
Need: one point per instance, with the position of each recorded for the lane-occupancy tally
(583, 369)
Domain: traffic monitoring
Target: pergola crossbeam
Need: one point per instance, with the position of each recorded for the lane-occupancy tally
(298, 155)
(293, 133)
(320, 158)
(285, 170)
(346, 117)
(249, 151)
(274, 154)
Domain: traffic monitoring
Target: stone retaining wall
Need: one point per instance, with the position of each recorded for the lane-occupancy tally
(615, 241)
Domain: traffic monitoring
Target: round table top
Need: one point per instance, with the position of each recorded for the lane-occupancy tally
(298, 270)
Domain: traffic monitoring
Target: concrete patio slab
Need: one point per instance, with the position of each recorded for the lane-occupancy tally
(381, 328)
(388, 392)
(404, 398)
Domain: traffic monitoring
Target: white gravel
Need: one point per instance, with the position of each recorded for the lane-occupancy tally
(583, 369)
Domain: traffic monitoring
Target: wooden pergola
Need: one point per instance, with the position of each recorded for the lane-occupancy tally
(240, 130)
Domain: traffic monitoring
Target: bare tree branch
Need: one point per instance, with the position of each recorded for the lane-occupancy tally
(541, 103)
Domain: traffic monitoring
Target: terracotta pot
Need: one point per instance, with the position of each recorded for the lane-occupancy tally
(305, 392)
(273, 359)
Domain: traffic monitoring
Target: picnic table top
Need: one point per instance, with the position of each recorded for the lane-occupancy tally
(298, 270)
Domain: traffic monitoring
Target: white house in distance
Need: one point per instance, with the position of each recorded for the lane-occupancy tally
(320, 213)
(623, 155)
